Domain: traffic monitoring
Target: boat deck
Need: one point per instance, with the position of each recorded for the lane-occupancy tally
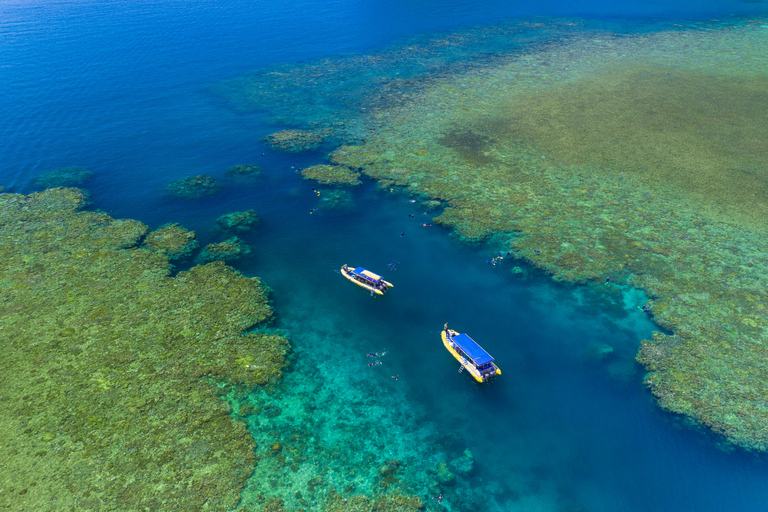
(472, 350)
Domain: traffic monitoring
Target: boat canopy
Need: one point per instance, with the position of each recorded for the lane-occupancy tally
(367, 275)
(474, 351)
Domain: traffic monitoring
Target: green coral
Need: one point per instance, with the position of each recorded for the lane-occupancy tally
(110, 399)
(231, 249)
(173, 240)
(386, 503)
(444, 476)
(607, 169)
(332, 175)
(294, 141)
(238, 222)
(193, 187)
(64, 177)
(244, 170)
(336, 199)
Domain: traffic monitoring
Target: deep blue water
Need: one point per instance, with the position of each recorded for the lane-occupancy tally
(124, 89)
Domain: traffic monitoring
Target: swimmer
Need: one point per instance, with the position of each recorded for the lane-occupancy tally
(494, 260)
(394, 377)
(402, 234)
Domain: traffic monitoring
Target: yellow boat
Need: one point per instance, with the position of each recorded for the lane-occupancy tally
(367, 279)
(472, 357)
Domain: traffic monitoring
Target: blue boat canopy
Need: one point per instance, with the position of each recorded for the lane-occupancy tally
(474, 351)
(367, 275)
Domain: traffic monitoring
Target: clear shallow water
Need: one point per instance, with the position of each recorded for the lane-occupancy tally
(125, 90)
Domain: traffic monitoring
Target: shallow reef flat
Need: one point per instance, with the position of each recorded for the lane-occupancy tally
(332, 175)
(608, 158)
(114, 370)
(328, 439)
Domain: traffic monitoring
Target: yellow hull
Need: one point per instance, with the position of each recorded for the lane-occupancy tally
(349, 275)
(467, 365)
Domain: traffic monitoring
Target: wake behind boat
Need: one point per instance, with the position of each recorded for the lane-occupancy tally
(472, 357)
(367, 279)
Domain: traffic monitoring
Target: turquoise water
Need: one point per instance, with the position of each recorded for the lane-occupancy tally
(126, 89)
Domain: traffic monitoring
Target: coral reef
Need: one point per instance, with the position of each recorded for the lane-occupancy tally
(611, 161)
(64, 177)
(193, 187)
(294, 141)
(332, 175)
(229, 250)
(463, 465)
(238, 222)
(244, 170)
(335, 94)
(335, 199)
(324, 432)
(444, 475)
(172, 240)
(359, 503)
(113, 370)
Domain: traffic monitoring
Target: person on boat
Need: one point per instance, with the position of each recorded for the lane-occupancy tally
(344, 268)
(447, 332)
